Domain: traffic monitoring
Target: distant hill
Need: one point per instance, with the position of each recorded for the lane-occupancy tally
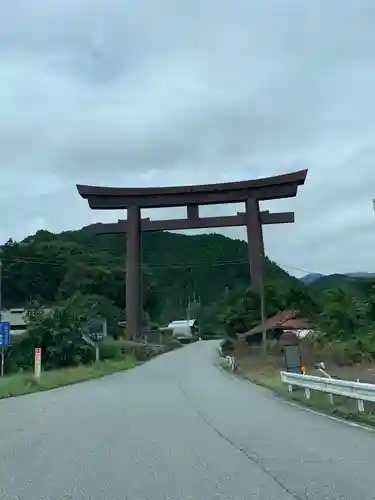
(360, 275)
(332, 281)
(310, 278)
(323, 282)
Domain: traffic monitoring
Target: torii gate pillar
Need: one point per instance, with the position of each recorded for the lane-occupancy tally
(255, 243)
(134, 309)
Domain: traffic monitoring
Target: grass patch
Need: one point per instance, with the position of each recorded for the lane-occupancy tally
(267, 375)
(20, 384)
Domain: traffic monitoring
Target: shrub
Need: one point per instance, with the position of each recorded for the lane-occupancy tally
(167, 335)
(111, 349)
(118, 349)
(139, 350)
(172, 344)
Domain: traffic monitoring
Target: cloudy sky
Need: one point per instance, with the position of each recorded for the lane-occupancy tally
(159, 92)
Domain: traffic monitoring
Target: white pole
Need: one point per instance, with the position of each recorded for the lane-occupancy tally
(38, 362)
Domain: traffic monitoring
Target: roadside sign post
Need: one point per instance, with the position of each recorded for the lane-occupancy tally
(38, 362)
(292, 352)
(4, 342)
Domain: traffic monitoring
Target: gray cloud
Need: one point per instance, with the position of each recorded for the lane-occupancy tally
(156, 93)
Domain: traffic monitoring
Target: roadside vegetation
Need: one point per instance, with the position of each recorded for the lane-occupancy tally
(66, 357)
(25, 383)
(343, 324)
(266, 373)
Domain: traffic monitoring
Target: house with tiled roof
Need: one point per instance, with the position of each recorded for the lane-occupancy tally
(276, 325)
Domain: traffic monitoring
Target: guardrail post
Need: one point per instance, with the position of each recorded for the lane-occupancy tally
(307, 393)
(290, 388)
(361, 406)
(360, 403)
(330, 397)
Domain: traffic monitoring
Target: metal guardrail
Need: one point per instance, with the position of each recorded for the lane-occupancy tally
(356, 390)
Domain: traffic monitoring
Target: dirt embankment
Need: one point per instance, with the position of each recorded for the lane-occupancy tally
(251, 358)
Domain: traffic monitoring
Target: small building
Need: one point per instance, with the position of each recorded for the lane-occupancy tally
(184, 329)
(16, 318)
(278, 324)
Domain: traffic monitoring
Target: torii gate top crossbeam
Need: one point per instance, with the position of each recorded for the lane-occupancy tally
(114, 198)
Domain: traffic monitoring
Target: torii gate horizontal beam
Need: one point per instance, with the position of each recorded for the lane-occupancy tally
(194, 223)
(269, 188)
(109, 202)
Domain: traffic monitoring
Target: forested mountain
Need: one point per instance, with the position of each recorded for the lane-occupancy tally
(323, 282)
(332, 281)
(310, 278)
(80, 267)
(52, 267)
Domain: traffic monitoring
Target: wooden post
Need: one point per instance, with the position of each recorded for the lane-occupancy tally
(255, 244)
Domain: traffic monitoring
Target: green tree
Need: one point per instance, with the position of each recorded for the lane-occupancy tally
(58, 332)
(241, 314)
(30, 273)
(343, 316)
(96, 306)
(88, 279)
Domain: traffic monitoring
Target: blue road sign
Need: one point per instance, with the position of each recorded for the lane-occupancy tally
(4, 333)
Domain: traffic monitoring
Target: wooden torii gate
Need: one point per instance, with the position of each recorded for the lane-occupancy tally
(134, 199)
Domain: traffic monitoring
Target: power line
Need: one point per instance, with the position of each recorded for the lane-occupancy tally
(87, 259)
(60, 262)
(158, 265)
(297, 269)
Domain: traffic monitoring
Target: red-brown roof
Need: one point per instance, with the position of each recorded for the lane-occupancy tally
(284, 320)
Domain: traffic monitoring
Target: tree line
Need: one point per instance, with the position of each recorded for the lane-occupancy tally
(77, 272)
(342, 318)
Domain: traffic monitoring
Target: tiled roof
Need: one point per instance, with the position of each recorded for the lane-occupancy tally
(285, 320)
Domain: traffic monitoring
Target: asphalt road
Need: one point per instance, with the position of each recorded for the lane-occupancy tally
(178, 428)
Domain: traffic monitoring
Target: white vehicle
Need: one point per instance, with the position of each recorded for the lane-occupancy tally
(184, 329)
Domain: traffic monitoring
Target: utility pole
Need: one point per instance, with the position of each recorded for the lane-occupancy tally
(263, 308)
(263, 318)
